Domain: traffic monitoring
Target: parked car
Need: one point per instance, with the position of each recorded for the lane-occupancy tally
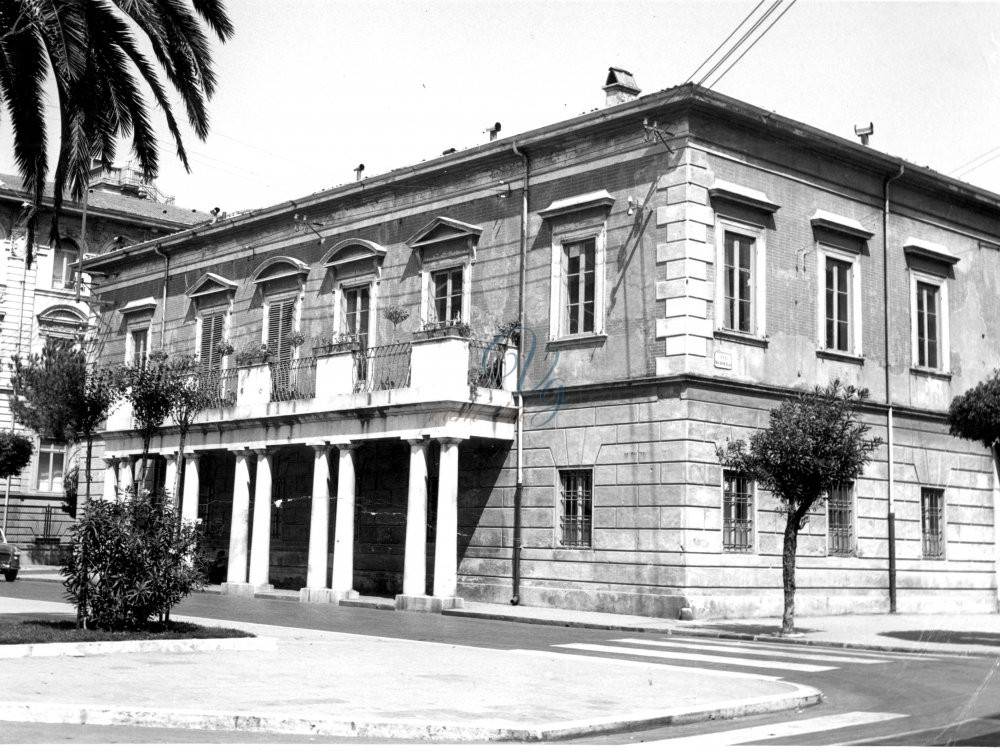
(10, 558)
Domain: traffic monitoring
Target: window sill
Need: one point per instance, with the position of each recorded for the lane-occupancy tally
(743, 338)
(836, 355)
(922, 371)
(842, 555)
(576, 341)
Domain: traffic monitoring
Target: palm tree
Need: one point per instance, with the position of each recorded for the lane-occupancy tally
(93, 54)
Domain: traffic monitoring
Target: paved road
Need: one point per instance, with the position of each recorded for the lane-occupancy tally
(877, 697)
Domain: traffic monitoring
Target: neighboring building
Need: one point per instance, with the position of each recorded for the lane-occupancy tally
(691, 260)
(41, 303)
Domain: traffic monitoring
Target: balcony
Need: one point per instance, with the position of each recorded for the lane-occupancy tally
(446, 370)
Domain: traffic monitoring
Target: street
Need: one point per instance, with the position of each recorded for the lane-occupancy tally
(872, 697)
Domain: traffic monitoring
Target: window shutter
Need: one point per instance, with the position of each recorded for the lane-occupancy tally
(211, 336)
(279, 327)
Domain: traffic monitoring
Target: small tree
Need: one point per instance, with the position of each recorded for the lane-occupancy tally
(59, 395)
(150, 389)
(15, 453)
(975, 415)
(812, 444)
(191, 397)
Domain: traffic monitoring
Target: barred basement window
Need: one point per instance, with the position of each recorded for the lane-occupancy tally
(840, 520)
(576, 499)
(932, 522)
(737, 513)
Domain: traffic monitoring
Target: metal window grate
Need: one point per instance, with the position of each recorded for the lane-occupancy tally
(576, 521)
(384, 367)
(840, 512)
(737, 517)
(931, 522)
(220, 384)
(293, 379)
(490, 373)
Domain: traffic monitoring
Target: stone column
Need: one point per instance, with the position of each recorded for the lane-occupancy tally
(415, 555)
(192, 485)
(319, 521)
(170, 478)
(446, 541)
(125, 477)
(236, 576)
(343, 537)
(260, 550)
(110, 479)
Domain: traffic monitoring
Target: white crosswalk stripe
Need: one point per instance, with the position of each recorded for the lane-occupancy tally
(750, 650)
(772, 731)
(671, 667)
(805, 648)
(700, 657)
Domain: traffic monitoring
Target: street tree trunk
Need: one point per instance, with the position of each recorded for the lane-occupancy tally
(788, 571)
(86, 474)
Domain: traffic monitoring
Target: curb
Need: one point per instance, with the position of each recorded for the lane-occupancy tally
(402, 729)
(98, 648)
(711, 633)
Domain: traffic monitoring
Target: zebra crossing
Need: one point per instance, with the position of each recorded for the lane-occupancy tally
(724, 656)
(745, 659)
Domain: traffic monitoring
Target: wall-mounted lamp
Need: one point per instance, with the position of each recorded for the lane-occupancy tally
(278, 503)
(503, 190)
(359, 171)
(632, 206)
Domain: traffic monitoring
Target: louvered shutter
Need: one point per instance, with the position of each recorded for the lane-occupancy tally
(279, 327)
(211, 336)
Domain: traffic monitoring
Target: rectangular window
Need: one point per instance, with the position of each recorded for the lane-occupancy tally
(51, 460)
(446, 287)
(928, 339)
(738, 283)
(580, 274)
(932, 522)
(280, 324)
(211, 336)
(62, 271)
(840, 520)
(737, 513)
(356, 309)
(576, 504)
(838, 304)
(138, 346)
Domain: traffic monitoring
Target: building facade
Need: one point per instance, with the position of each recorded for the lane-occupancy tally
(42, 302)
(684, 262)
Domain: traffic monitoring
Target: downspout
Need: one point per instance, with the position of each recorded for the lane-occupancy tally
(519, 487)
(163, 306)
(891, 512)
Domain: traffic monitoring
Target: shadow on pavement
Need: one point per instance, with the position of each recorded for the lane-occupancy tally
(946, 636)
(752, 629)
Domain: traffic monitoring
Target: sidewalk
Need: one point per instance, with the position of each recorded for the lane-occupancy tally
(316, 682)
(963, 634)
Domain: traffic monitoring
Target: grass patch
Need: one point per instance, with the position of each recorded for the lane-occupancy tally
(65, 631)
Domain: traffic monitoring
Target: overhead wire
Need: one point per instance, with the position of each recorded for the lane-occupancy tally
(731, 35)
(736, 45)
(752, 44)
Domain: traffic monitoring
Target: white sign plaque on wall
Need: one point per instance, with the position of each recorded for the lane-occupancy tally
(723, 360)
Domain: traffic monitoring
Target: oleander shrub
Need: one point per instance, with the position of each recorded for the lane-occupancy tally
(132, 561)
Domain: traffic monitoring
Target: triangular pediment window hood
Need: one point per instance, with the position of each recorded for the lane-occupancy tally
(279, 268)
(210, 284)
(446, 232)
(355, 250)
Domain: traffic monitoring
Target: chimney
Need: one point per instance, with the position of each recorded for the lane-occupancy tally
(620, 87)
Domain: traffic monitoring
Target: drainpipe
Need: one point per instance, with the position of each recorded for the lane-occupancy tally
(891, 513)
(519, 488)
(163, 307)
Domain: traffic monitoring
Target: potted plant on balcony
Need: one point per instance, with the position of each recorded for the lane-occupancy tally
(396, 315)
(447, 328)
(224, 348)
(295, 339)
(345, 342)
(253, 355)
